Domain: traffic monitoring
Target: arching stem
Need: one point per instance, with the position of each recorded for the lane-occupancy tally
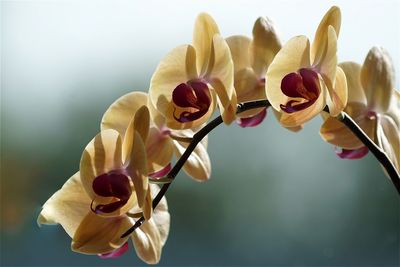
(197, 137)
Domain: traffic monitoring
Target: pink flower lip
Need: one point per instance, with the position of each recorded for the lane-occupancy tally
(161, 173)
(351, 153)
(252, 121)
(115, 253)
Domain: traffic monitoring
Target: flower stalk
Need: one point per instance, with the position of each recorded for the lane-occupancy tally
(379, 154)
(242, 107)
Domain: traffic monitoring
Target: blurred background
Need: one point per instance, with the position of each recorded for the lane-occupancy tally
(275, 197)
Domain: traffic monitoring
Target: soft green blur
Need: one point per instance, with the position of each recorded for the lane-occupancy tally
(274, 198)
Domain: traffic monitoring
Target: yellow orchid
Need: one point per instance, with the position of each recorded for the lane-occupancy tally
(192, 79)
(162, 142)
(113, 168)
(251, 58)
(302, 80)
(99, 235)
(373, 104)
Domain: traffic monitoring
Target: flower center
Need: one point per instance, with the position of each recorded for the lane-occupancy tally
(115, 185)
(302, 85)
(192, 100)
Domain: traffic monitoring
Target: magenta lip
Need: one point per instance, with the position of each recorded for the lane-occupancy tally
(112, 184)
(193, 94)
(303, 84)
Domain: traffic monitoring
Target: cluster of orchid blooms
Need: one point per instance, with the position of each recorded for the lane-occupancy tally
(115, 195)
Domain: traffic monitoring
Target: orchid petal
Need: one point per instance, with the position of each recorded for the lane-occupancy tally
(137, 168)
(147, 242)
(140, 124)
(121, 112)
(335, 132)
(161, 215)
(295, 54)
(179, 66)
(388, 138)
(198, 165)
(204, 30)
(294, 129)
(239, 46)
(159, 150)
(97, 235)
(352, 72)
(248, 88)
(394, 108)
(377, 79)
(319, 46)
(156, 117)
(327, 65)
(101, 155)
(68, 206)
(220, 76)
(265, 45)
(337, 99)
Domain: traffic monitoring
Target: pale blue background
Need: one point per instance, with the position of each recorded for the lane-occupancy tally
(275, 198)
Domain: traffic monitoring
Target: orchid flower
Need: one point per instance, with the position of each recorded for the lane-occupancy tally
(192, 79)
(113, 168)
(251, 58)
(160, 143)
(373, 104)
(302, 80)
(99, 235)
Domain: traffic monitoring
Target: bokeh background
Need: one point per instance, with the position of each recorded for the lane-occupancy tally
(275, 197)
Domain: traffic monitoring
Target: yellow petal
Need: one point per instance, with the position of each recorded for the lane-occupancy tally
(335, 132)
(121, 112)
(377, 79)
(331, 18)
(137, 168)
(97, 234)
(139, 123)
(248, 88)
(198, 165)
(148, 205)
(265, 45)
(394, 108)
(179, 66)
(68, 206)
(352, 71)
(161, 215)
(101, 155)
(156, 117)
(298, 118)
(204, 30)
(147, 242)
(159, 150)
(295, 54)
(278, 116)
(337, 98)
(388, 138)
(220, 75)
(327, 65)
(239, 46)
